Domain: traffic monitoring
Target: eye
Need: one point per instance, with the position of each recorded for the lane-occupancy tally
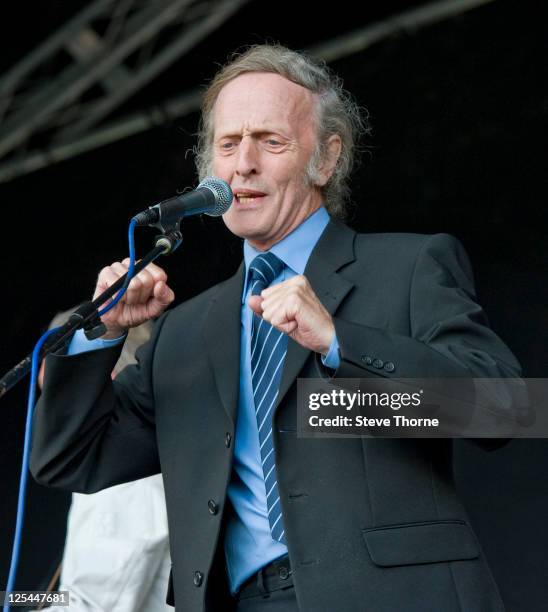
(273, 143)
(227, 147)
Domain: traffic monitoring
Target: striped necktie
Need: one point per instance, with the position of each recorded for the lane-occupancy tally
(268, 349)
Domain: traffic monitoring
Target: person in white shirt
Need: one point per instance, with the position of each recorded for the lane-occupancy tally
(116, 555)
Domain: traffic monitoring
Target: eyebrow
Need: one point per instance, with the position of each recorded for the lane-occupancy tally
(258, 132)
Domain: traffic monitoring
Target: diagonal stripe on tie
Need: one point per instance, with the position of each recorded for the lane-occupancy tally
(268, 350)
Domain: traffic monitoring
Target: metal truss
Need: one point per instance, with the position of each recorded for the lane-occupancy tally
(114, 44)
(54, 98)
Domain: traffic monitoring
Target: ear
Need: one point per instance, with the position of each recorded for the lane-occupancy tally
(327, 165)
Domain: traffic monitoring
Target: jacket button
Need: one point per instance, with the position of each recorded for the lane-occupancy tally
(367, 360)
(212, 506)
(378, 363)
(389, 366)
(198, 578)
(228, 440)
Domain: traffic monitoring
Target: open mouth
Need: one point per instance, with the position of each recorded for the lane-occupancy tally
(245, 196)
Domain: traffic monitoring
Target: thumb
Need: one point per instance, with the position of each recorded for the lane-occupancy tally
(163, 294)
(161, 298)
(255, 303)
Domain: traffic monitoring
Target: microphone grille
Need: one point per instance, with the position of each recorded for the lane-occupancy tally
(222, 192)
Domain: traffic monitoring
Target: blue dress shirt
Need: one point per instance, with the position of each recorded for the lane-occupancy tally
(248, 542)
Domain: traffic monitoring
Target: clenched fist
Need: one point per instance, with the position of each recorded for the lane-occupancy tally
(294, 309)
(147, 297)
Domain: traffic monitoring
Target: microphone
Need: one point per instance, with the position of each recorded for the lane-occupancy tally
(212, 197)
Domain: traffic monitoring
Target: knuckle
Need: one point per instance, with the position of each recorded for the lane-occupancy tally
(295, 291)
(143, 279)
(294, 300)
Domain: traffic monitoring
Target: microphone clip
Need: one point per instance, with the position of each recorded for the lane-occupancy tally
(162, 220)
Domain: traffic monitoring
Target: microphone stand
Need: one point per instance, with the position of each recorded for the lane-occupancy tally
(87, 315)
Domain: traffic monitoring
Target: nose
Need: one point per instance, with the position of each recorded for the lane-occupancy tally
(248, 157)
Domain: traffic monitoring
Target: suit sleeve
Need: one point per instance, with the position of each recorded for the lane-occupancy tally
(87, 426)
(450, 335)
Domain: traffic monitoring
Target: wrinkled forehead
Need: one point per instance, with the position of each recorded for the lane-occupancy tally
(263, 101)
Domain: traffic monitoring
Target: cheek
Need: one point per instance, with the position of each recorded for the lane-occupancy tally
(293, 187)
(220, 167)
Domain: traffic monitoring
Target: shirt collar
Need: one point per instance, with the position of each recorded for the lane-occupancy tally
(295, 249)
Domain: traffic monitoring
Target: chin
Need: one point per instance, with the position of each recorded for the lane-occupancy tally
(244, 226)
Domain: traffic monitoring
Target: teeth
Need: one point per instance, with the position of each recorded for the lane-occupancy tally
(246, 199)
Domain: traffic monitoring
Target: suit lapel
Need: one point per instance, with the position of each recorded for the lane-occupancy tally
(221, 332)
(334, 249)
(221, 329)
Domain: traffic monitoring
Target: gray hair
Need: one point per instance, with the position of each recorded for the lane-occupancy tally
(337, 113)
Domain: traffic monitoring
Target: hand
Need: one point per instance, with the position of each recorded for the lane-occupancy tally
(294, 309)
(147, 297)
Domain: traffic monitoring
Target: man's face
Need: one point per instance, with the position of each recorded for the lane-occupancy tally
(264, 136)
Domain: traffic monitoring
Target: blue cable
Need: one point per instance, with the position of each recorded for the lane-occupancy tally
(30, 411)
(24, 468)
(120, 293)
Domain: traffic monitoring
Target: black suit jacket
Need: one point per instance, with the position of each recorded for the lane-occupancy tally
(372, 525)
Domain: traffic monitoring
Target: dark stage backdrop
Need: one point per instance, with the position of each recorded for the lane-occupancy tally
(459, 114)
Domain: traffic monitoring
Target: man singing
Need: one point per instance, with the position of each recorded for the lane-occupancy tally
(259, 519)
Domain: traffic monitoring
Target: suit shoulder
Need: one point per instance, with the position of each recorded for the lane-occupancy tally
(406, 253)
(401, 244)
